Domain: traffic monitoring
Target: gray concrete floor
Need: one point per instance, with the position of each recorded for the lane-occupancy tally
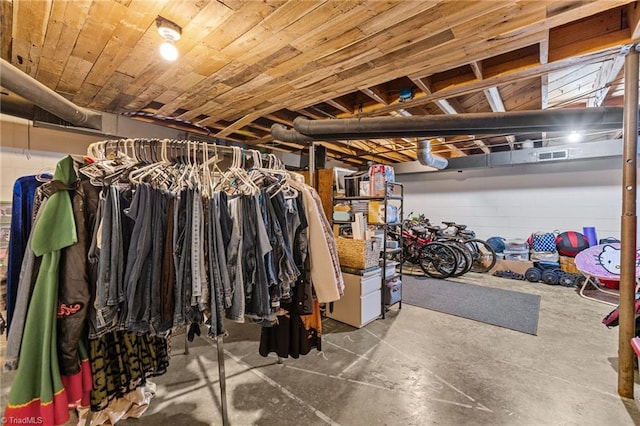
(416, 367)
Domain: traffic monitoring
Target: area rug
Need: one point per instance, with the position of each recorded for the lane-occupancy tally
(504, 308)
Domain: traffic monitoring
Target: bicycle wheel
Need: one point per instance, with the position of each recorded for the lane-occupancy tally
(465, 260)
(438, 260)
(411, 253)
(484, 257)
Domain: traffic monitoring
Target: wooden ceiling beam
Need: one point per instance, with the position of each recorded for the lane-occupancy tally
(448, 106)
(391, 149)
(292, 147)
(443, 105)
(259, 127)
(375, 93)
(323, 114)
(506, 42)
(340, 105)
(365, 151)
(507, 77)
(340, 78)
(277, 119)
(544, 79)
(307, 112)
(345, 146)
(607, 74)
(633, 19)
(6, 23)
(495, 101)
(234, 127)
(476, 68)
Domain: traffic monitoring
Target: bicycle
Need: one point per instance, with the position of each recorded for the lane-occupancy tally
(483, 255)
(435, 259)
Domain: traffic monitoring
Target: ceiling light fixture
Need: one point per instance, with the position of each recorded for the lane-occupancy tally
(574, 136)
(170, 32)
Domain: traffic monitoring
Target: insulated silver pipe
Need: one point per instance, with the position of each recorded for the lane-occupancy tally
(281, 133)
(427, 158)
(423, 150)
(13, 79)
(461, 124)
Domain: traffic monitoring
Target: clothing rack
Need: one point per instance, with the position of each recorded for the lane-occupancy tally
(242, 190)
(150, 151)
(171, 150)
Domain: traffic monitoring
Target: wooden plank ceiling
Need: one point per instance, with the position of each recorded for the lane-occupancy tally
(246, 64)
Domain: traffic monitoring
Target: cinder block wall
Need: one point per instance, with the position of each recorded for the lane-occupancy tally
(515, 201)
(27, 150)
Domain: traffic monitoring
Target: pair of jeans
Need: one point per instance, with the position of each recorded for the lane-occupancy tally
(160, 201)
(218, 274)
(199, 285)
(179, 241)
(285, 262)
(168, 274)
(255, 245)
(101, 317)
(137, 280)
(185, 311)
(235, 263)
(270, 223)
(106, 255)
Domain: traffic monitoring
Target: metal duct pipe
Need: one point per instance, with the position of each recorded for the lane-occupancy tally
(462, 124)
(423, 150)
(281, 133)
(31, 89)
(426, 157)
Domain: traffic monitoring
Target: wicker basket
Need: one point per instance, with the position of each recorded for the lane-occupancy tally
(358, 254)
(568, 264)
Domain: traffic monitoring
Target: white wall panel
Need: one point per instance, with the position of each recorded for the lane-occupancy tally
(15, 163)
(25, 150)
(515, 201)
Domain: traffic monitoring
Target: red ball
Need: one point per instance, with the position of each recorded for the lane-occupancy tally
(570, 243)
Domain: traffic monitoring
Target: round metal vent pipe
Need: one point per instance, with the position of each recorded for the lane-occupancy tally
(462, 124)
(22, 84)
(423, 150)
(281, 133)
(427, 158)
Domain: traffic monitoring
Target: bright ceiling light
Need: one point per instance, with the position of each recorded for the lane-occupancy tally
(168, 51)
(170, 32)
(574, 136)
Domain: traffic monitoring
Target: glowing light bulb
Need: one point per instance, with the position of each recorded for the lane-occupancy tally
(168, 51)
(574, 136)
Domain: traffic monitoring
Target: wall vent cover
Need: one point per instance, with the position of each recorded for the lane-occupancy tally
(553, 155)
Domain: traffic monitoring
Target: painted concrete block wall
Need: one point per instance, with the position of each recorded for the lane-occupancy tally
(15, 163)
(515, 201)
(27, 150)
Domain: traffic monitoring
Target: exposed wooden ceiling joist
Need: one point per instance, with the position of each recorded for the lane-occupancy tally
(246, 64)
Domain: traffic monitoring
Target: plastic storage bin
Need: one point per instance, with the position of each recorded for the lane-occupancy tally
(514, 245)
(392, 292)
(516, 255)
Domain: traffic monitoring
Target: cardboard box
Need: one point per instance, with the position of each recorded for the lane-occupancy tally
(517, 266)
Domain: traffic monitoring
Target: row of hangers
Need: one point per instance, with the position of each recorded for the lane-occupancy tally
(173, 165)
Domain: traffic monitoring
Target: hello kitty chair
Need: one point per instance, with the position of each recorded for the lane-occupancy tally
(602, 263)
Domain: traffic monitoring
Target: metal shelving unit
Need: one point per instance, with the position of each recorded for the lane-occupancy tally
(390, 295)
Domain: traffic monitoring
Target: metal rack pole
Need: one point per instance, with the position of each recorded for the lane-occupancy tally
(312, 164)
(223, 380)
